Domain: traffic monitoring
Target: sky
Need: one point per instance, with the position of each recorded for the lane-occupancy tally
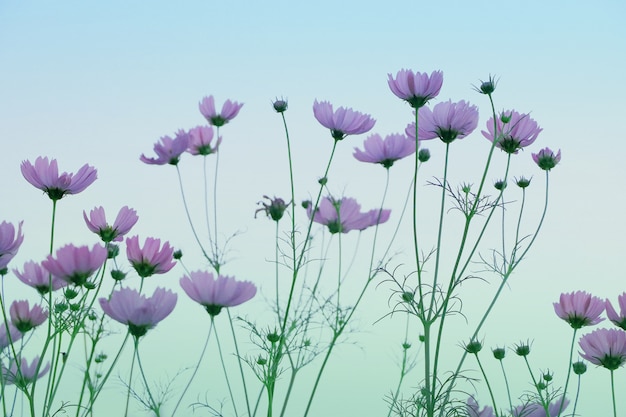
(101, 82)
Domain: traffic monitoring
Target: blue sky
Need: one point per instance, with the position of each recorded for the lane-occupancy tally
(100, 82)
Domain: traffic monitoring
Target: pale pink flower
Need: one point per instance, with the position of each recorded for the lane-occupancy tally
(200, 141)
(214, 294)
(75, 265)
(168, 150)
(343, 121)
(10, 242)
(26, 374)
(137, 311)
(45, 176)
(473, 410)
(230, 109)
(519, 131)
(24, 318)
(579, 309)
(537, 410)
(97, 223)
(415, 87)
(36, 276)
(447, 121)
(385, 151)
(546, 159)
(4, 336)
(604, 347)
(151, 259)
(617, 319)
(344, 215)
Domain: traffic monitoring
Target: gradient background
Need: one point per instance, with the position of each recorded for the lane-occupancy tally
(100, 82)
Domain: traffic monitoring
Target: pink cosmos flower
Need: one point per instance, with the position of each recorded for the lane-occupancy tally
(342, 216)
(579, 309)
(447, 121)
(168, 150)
(230, 109)
(342, 122)
(97, 223)
(215, 294)
(604, 347)
(537, 410)
(36, 276)
(518, 132)
(4, 338)
(45, 176)
(10, 242)
(200, 141)
(24, 318)
(416, 88)
(151, 259)
(473, 410)
(385, 151)
(26, 374)
(617, 319)
(137, 311)
(75, 265)
(546, 159)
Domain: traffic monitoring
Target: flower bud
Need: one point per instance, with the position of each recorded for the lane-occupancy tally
(473, 347)
(280, 105)
(70, 294)
(522, 349)
(423, 155)
(500, 185)
(117, 275)
(499, 353)
(177, 254)
(579, 367)
(273, 337)
(113, 250)
(522, 182)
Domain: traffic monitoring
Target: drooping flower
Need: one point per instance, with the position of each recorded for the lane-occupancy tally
(416, 88)
(546, 159)
(537, 410)
(215, 294)
(473, 410)
(4, 335)
(514, 131)
(45, 176)
(200, 138)
(385, 151)
(579, 309)
(230, 109)
(604, 347)
(36, 276)
(97, 223)
(343, 121)
(344, 215)
(25, 318)
(447, 121)
(10, 242)
(618, 319)
(26, 374)
(151, 259)
(137, 311)
(75, 265)
(168, 150)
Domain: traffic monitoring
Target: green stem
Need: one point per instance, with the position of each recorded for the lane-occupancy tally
(156, 407)
(219, 348)
(506, 383)
(243, 378)
(493, 399)
(217, 162)
(569, 372)
(613, 394)
(130, 380)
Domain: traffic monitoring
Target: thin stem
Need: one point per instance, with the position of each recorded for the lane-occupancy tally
(577, 394)
(156, 407)
(482, 370)
(613, 394)
(217, 265)
(569, 372)
(219, 348)
(243, 378)
(403, 370)
(506, 383)
(130, 380)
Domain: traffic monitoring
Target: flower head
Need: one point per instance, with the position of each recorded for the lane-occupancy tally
(416, 88)
(151, 259)
(546, 159)
(618, 319)
(230, 109)
(342, 216)
(385, 151)
(137, 311)
(604, 347)
(447, 121)
(200, 138)
(4, 335)
(215, 294)
(45, 176)
(280, 105)
(579, 309)
(274, 210)
(537, 410)
(24, 318)
(97, 223)
(343, 121)
(10, 242)
(473, 410)
(487, 87)
(168, 150)
(26, 374)
(75, 265)
(36, 276)
(514, 131)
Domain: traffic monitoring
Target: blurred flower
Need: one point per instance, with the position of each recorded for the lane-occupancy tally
(138, 312)
(97, 223)
(416, 88)
(75, 265)
(473, 410)
(200, 138)
(26, 373)
(447, 121)
(230, 109)
(45, 176)
(342, 122)
(518, 132)
(546, 159)
(604, 347)
(385, 151)
(342, 216)
(168, 150)
(579, 367)
(537, 410)
(4, 336)
(151, 259)
(24, 318)
(36, 276)
(275, 209)
(617, 319)
(10, 242)
(214, 294)
(579, 309)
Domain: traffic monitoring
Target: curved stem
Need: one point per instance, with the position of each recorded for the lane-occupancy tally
(569, 372)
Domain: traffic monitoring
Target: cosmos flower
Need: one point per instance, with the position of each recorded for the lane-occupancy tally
(168, 150)
(97, 223)
(514, 131)
(230, 109)
(546, 159)
(473, 410)
(537, 410)
(25, 318)
(45, 176)
(4, 336)
(386, 151)
(604, 347)
(75, 265)
(215, 294)
(35, 276)
(26, 374)
(617, 319)
(579, 309)
(343, 121)
(200, 141)
(151, 259)
(416, 88)
(10, 242)
(344, 215)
